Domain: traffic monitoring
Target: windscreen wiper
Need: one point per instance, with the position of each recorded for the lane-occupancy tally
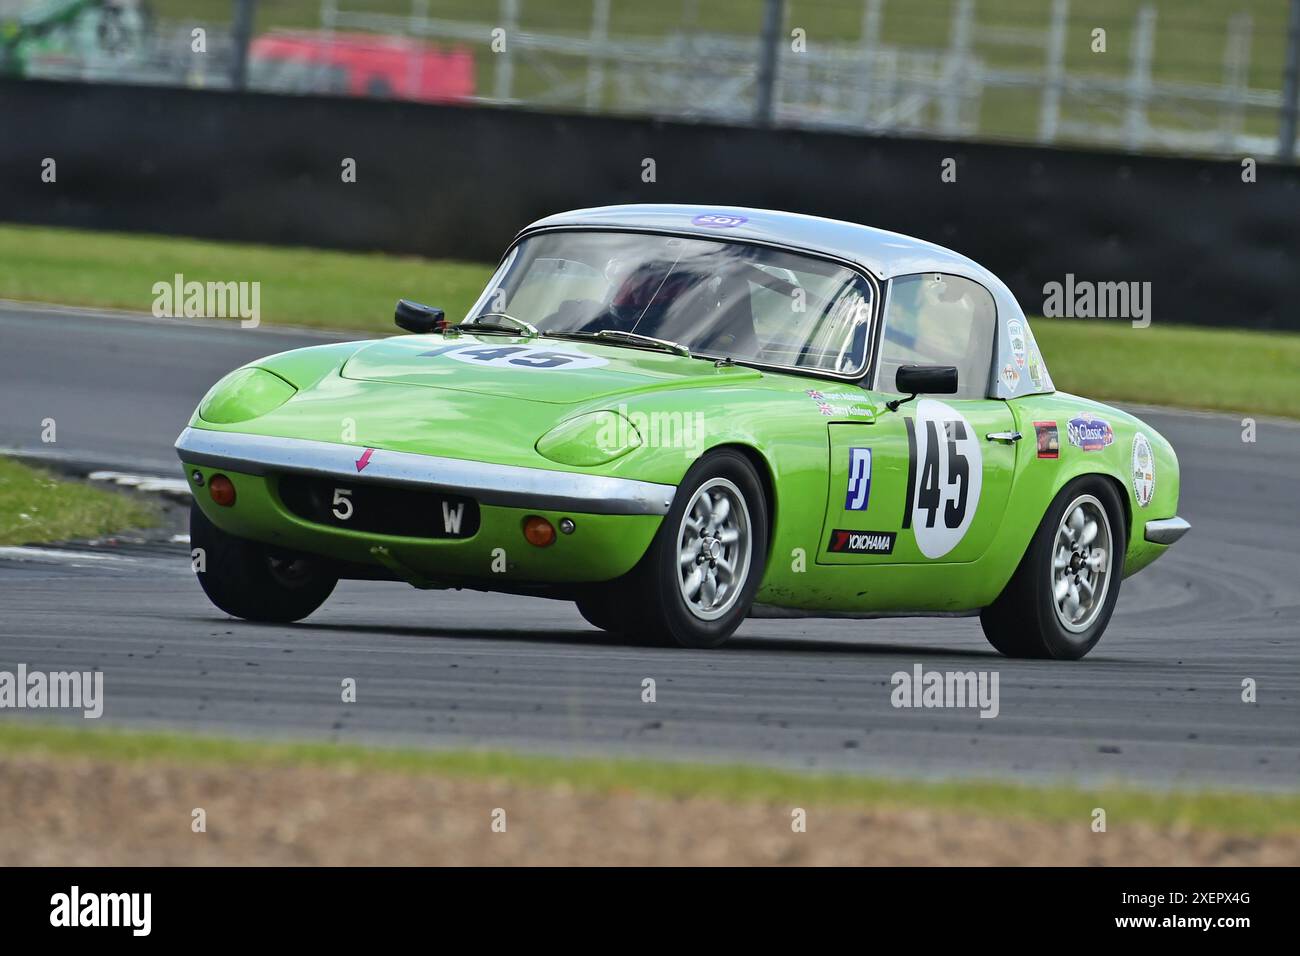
(520, 327)
(632, 338)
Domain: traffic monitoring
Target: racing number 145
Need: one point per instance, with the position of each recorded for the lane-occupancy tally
(533, 358)
(955, 485)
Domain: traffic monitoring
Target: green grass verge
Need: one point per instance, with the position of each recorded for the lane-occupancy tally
(1224, 812)
(36, 507)
(1224, 369)
(307, 287)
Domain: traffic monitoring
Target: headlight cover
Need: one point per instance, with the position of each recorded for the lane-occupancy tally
(590, 439)
(243, 394)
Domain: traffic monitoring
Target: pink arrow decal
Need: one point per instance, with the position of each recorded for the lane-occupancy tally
(365, 458)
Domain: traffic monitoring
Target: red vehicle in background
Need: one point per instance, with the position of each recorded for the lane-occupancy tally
(360, 64)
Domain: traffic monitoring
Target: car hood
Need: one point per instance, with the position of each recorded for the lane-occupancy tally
(538, 370)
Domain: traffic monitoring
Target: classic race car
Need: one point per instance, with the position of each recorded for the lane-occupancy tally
(679, 416)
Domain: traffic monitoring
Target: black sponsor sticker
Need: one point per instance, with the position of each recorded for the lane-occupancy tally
(862, 542)
(1049, 439)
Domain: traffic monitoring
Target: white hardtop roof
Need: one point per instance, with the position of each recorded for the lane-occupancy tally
(879, 252)
(882, 253)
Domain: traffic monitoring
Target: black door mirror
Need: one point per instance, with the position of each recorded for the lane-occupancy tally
(914, 380)
(926, 379)
(417, 318)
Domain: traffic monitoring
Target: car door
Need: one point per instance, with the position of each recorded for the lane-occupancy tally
(919, 485)
(929, 482)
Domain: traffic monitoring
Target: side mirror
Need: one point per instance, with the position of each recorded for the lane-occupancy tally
(914, 380)
(417, 318)
(926, 379)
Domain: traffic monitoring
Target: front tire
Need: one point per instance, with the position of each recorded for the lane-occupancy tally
(599, 608)
(249, 580)
(697, 580)
(1060, 599)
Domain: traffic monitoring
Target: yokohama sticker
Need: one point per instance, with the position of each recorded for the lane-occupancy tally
(861, 542)
(944, 475)
(1144, 470)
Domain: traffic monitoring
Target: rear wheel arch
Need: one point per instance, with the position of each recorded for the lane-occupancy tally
(1061, 485)
(1023, 621)
(1127, 505)
(1121, 492)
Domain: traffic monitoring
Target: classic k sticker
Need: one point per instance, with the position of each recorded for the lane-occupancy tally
(1089, 433)
(861, 542)
(859, 490)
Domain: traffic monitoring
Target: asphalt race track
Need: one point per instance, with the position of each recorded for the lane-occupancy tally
(1159, 701)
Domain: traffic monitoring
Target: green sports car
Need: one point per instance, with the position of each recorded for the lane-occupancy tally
(677, 417)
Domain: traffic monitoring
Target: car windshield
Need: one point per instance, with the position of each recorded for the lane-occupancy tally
(719, 299)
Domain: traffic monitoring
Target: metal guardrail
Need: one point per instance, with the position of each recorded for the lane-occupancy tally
(846, 83)
(867, 84)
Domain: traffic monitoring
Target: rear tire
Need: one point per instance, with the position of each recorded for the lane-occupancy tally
(1060, 599)
(249, 580)
(718, 521)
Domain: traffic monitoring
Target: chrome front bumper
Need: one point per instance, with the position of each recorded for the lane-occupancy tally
(1166, 530)
(511, 486)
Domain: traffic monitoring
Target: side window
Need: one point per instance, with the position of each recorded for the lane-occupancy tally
(935, 319)
(811, 320)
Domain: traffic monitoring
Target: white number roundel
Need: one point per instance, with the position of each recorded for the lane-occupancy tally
(526, 357)
(948, 473)
(1144, 470)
